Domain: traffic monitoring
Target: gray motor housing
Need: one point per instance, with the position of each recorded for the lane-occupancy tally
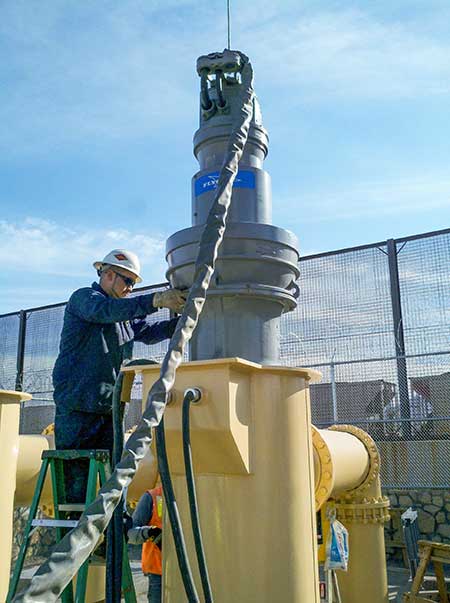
(257, 265)
(252, 285)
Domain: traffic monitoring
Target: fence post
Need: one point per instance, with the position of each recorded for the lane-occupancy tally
(334, 391)
(21, 350)
(402, 375)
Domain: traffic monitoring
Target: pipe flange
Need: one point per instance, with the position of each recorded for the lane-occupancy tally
(372, 451)
(374, 510)
(251, 290)
(324, 480)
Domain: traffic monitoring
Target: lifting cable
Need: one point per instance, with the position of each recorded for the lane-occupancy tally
(115, 530)
(74, 549)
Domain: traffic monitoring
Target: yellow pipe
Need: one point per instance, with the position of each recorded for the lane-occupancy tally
(31, 448)
(21, 476)
(341, 463)
(253, 420)
(347, 467)
(9, 449)
(29, 463)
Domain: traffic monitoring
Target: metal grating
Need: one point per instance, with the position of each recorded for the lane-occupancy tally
(424, 271)
(43, 330)
(344, 310)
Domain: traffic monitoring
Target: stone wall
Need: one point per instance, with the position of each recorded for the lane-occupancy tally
(433, 507)
(40, 543)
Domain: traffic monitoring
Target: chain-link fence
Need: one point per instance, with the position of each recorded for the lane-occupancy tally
(375, 320)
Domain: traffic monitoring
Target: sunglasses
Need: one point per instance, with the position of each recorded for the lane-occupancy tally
(129, 282)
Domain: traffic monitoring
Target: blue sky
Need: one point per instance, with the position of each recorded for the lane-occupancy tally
(99, 105)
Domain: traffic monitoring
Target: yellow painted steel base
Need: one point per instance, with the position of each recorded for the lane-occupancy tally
(95, 586)
(9, 450)
(253, 455)
(363, 510)
(252, 450)
(22, 455)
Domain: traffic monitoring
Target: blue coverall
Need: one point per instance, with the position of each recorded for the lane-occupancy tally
(97, 336)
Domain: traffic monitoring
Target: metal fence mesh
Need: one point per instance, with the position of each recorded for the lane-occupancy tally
(9, 333)
(43, 330)
(424, 270)
(344, 310)
(344, 327)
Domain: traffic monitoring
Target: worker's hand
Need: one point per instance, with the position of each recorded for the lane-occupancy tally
(174, 299)
(153, 534)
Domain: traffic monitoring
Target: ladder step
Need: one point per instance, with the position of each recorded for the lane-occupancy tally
(72, 507)
(69, 455)
(55, 523)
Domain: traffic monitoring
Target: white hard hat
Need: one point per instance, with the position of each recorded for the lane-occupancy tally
(122, 259)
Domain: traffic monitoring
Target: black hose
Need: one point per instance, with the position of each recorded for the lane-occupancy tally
(115, 530)
(191, 396)
(204, 92)
(221, 102)
(174, 515)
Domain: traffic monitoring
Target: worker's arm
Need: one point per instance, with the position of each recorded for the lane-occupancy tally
(141, 517)
(149, 333)
(93, 306)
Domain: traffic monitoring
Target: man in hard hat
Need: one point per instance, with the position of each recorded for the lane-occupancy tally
(100, 325)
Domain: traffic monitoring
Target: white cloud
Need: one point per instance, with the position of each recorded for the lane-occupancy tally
(118, 77)
(348, 54)
(47, 249)
(91, 73)
(372, 199)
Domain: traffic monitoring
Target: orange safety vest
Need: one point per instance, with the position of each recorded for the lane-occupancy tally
(151, 553)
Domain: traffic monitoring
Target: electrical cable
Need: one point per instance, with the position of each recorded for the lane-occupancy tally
(206, 102)
(114, 532)
(174, 515)
(221, 102)
(74, 549)
(194, 395)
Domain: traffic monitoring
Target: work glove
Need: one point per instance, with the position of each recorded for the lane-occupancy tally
(153, 534)
(174, 299)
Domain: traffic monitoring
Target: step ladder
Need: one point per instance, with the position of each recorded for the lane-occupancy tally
(99, 470)
(438, 554)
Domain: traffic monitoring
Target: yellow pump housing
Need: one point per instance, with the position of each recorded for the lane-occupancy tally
(262, 471)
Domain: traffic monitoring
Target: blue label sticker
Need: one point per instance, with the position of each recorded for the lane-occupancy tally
(208, 182)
